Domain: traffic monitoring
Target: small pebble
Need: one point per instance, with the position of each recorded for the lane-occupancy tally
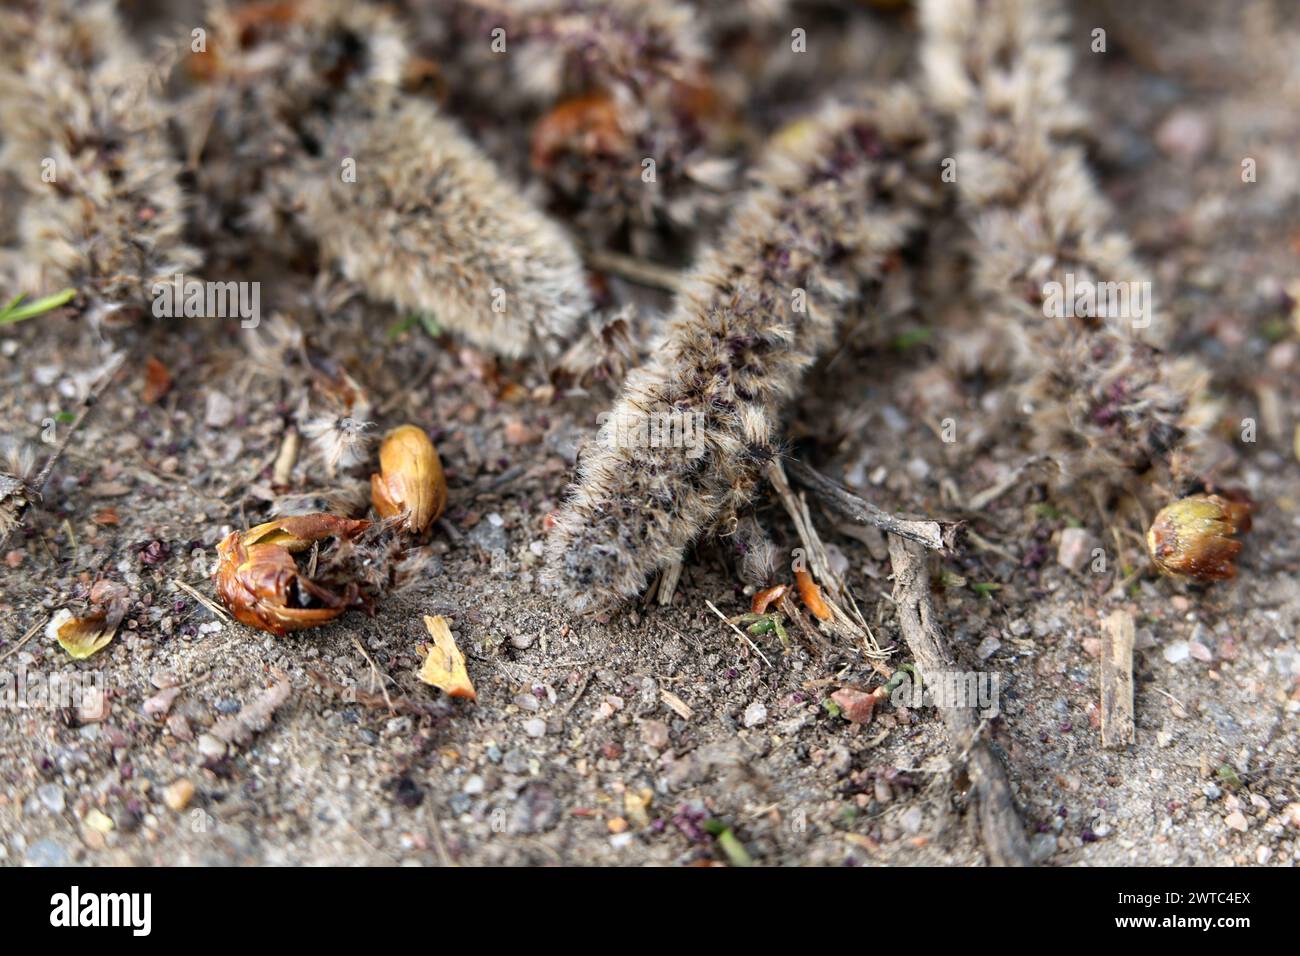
(51, 796)
(212, 747)
(536, 727)
(1177, 652)
(178, 795)
(46, 853)
(1074, 549)
(755, 714)
(654, 733)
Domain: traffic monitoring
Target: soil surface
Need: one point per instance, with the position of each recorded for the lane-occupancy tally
(614, 740)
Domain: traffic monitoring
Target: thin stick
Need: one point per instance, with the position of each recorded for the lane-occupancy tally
(1117, 680)
(668, 582)
(375, 675)
(743, 636)
(849, 626)
(634, 270)
(31, 632)
(1004, 835)
(936, 535)
(37, 484)
(216, 609)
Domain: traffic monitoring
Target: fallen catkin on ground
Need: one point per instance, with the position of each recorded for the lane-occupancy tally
(84, 138)
(835, 195)
(429, 226)
(394, 194)
(1103, 400)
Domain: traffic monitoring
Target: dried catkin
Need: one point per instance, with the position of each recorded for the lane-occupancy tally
(84, 137)
(429, 226)
(394, 194)
(681, 451)
(1103, 400)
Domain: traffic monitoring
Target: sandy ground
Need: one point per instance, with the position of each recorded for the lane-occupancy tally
(612, 741)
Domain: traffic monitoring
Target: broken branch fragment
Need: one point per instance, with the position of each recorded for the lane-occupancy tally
(239, 729)
(1004, 834)
(936, 535)
(1117, 681)
(444, 664)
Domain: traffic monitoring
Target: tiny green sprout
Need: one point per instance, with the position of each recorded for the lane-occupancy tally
(911, 338)
(401, 327)
(1046, 511)
(423, 319)
(730, 844)
(63, 418)
(986, 588)
(832, 708)
(951, 579)
(15, 311)
(1229, 776)
(903, 670)
(1275, 330)
(430, 324)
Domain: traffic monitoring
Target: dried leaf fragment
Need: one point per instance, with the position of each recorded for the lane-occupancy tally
(410, 481)
(444, 665)
(82, 637)
(584, 125)
(811, 595)
(765, 598)
(157, 381)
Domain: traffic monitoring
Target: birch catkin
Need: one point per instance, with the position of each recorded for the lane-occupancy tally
(1104, 401)
(84, 136)
(681, 451)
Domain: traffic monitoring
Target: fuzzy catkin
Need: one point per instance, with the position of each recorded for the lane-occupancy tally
(1103, 400)
(396, 195)
(429, 225)
(84, 137)
(835, 195)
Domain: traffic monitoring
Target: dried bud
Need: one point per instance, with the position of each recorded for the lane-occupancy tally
(259, 580)
(1192, 538)
(585, 125)
(410, 480)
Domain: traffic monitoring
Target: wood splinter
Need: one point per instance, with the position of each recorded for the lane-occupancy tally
(1117, 680)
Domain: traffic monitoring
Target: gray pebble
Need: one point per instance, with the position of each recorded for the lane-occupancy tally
(51, 795)
(46, 853)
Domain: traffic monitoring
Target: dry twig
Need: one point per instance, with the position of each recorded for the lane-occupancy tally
(1004, 835)
(936, 535)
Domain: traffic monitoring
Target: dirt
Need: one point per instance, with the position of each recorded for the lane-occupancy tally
(613, 741)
